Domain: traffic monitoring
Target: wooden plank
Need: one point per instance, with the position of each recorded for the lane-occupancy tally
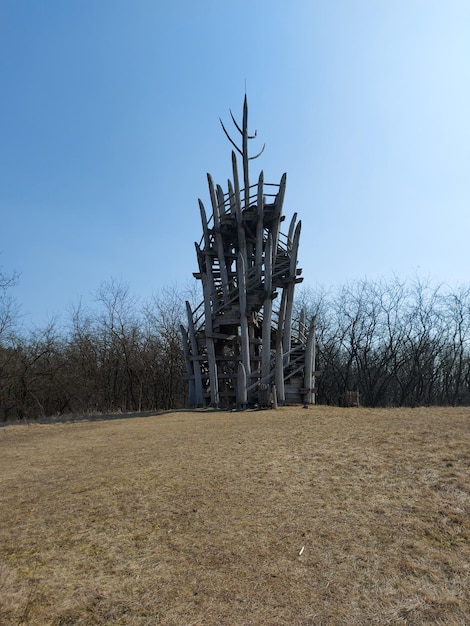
(223, 336)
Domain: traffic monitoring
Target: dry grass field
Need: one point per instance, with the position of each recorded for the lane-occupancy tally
(317, 516)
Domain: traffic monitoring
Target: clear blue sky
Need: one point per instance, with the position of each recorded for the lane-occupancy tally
(109, 122)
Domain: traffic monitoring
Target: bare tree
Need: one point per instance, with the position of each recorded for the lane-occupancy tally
(9, 309)
(118, 331)
(164, 315)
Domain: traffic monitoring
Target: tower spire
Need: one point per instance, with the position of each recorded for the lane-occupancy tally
(244, 150)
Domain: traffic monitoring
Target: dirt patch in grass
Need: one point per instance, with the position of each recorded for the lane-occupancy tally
(316, 516)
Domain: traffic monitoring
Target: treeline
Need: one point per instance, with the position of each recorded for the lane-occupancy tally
(395, 343)
(118, 356)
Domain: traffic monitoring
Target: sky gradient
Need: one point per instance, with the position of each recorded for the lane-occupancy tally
(109, 121)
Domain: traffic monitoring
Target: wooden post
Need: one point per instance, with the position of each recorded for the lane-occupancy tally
(211, 360)
(267, 311)
(273, 397)
(279, 366)
(275, 229)
(244, 334)
(309, 368)
(189, 367)
(290, 295)
(290, 235)
(246, 178)
(281, 193)
(241, 388)
(210, 288)
(220, 201)
(218, 240)
(240, 230)
(231, 194)
(302, 325)
(198, 396)
(259, 228)
(314, 361)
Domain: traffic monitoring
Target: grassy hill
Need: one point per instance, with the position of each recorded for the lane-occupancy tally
(317, 516)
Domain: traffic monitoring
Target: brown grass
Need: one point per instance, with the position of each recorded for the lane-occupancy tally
(316, 516)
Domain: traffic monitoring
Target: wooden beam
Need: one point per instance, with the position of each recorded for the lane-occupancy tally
(212, 364)
(309, 381)
(276, 224)
(219, 242)
(302, 325)
(198, 399)
(231, 194)
(246, 178)
(240, 230)
(189, 368)
(290, 234)
(290, 295)
(267, 310)
(259, 228)
(241, 387)
(244, 331)
(207, 268)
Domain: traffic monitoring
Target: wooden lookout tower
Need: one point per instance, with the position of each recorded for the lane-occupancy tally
(242, 346)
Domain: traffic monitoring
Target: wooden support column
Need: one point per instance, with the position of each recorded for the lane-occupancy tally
(244, 334)
(189, 368)
(290, 295)
(211, 360)
(239, 214)
(207, 257)
(259, 228)
(220, 201)
(279, 367)
(198, 395)
(287, 337)
(281, 193)
(246, 178)
(242, 398)
(302, 325)
(231, 194)
(276, 227)
(267, 312)
(309, 369)
(290, 234)
(314, 361)
(219, 243)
